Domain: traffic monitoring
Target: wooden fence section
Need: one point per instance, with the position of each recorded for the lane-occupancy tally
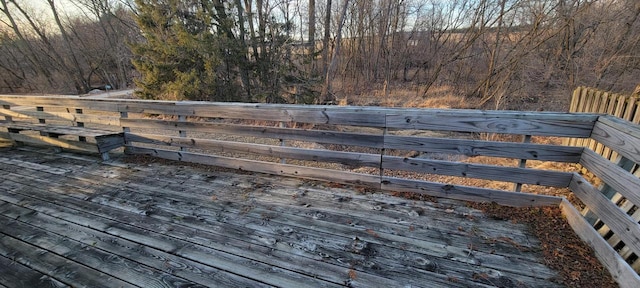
(591, 100)
(612, 157)
(408, 150)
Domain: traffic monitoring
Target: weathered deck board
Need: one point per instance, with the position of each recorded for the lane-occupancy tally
(84, 253)
(16, 275)
(56, 266)
(217, 227)
(401, 266)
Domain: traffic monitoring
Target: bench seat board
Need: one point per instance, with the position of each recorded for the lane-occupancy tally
(105, 140)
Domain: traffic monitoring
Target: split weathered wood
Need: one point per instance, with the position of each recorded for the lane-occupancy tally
(615, 176)
(619, 135)
(176, 208)
(479, 171)
(347, 158)
(16, 275)
(157, 244)
(472, 148)
(619, 222)
(65, 270)
(102, 239)
(468, 193)
(318, 136)
(343, 177)
(165, 220)
(622, 273)
(88, 255)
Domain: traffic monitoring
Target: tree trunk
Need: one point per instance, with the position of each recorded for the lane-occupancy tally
(325, 40)
(81, 84)
(327, 94)
(312, 35)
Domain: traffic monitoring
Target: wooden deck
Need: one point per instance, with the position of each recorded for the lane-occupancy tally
(69, 220)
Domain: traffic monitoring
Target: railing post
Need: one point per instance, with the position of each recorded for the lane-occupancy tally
(523, 163)
(80, 124)
(44, 121)
(125, 130)
(182, 133)
(282, 143)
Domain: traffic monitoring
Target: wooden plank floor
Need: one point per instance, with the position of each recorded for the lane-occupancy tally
(68, 220)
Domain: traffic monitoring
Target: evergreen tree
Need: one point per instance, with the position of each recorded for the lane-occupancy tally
(199, 50)
(179, 58)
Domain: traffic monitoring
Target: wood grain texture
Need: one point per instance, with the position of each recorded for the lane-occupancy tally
(351, 159)
(121, 244)
(473, 148)
(537, 124)
(16, 275)
(343, 177)
(619, 135)
(468, 193)
(90, 256)
(306, 240)
(171, 203)
(622, 273)
(248, 236)
(318, 136)
(21, 115)
(242, 240)
(621, 180)
(67, 271)
(618, 221)
(479, 171)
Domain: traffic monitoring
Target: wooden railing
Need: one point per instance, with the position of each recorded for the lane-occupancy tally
(411, 150)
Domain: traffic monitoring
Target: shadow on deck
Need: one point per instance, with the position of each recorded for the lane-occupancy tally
(71, 220)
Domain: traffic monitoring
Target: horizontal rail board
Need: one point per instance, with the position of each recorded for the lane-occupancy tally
(479, 171)
(622, 273)
(525, 123)
(617, 220)
(322, 115)
(618, 135)
(618, 178)
(343, 177)
(529, 123)
(485, 148)
(468, 193)
(346, 158)
(68, 102)
(318, 136)
(72, 117)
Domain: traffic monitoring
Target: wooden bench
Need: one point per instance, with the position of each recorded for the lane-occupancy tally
(18, 122)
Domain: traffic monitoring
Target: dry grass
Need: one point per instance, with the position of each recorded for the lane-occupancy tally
(441, 97)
